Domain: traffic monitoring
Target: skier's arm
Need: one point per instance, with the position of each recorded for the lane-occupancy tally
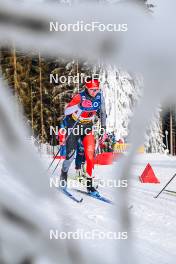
(73, 106)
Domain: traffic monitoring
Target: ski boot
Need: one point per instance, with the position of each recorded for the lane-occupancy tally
(90, 188)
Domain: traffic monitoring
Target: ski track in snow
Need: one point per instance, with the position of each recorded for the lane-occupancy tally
(153, 220)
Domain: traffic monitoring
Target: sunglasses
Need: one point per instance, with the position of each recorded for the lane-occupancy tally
(94, 90)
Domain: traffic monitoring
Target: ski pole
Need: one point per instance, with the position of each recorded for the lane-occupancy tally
(54, 158)
(55, 167)
(76, 122)
(165, 186)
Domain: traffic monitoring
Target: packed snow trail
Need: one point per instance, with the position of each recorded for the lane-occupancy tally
(153, 220)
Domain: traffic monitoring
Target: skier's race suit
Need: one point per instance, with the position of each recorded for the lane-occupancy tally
(80, 156)
(83, 108)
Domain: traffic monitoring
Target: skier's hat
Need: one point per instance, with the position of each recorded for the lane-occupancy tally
(92, 84)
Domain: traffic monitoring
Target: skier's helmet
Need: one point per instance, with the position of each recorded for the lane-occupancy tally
(92, 84)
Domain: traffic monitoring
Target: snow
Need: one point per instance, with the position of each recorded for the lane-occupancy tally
(29, 209)
(24, 190)
(28, 215)
(153, 220)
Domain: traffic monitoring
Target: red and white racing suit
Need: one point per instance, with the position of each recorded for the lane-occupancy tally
(78, 108)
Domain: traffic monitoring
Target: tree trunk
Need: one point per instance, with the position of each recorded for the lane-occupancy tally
(171, 135)
(15, 71)
(32, 112)
(41, 100)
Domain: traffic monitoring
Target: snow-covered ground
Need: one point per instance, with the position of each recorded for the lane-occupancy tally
(153, 220)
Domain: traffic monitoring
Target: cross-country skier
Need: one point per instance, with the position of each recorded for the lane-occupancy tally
(82, 109)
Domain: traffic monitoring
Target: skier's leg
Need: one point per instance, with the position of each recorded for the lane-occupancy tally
(83, 165)
(89, 148)
(78, 159)
(71, 145)
(78, 164)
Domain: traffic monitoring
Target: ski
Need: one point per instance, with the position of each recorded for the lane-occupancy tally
(101, 198)
(98, 197)
(70, 195)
